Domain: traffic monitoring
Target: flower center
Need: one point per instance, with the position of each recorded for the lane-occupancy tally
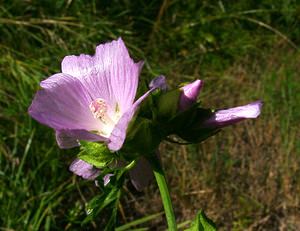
(100, 109)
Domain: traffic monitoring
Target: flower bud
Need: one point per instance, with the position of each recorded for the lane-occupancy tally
(189, 94)
(159, 82)
(231, 116)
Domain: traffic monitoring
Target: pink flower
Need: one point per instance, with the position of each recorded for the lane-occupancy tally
(92, 98)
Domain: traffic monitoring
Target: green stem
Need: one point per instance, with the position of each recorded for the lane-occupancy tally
(164, 193)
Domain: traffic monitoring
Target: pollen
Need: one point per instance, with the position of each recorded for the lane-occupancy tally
(101, 111)
(99, 108)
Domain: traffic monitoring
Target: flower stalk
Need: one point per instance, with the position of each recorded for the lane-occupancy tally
(164, 193)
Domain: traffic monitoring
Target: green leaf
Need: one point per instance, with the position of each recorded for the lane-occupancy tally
(107, 202)
(184, 119)
(98, 203)
(202, 223)
(140, 221)
(96, 154)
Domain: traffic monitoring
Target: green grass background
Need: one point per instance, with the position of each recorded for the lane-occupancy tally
(245, 178)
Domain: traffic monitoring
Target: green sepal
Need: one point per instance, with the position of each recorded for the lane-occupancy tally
(202, 223)
(167, 115)
(197, 136)
(142, 138)
(183, 120)
(167, 105)
(96, 154)
(194, 131)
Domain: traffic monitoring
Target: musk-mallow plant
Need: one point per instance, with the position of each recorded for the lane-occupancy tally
(92, 103)
(92, 99)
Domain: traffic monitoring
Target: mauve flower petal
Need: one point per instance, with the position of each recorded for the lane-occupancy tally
(141, 175)
(159, 82)
(83, 169)
(231, 116)
(110, 74)
(106, 179)
(189, 94)
(70, 138)
(118, 135)
(63, 103)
